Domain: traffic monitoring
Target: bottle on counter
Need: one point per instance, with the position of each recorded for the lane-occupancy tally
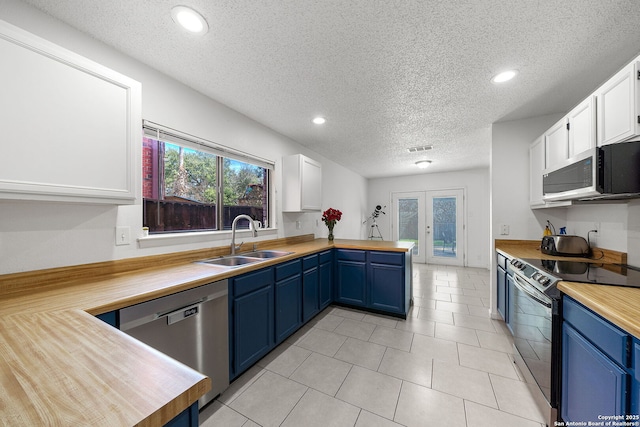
(547, 231)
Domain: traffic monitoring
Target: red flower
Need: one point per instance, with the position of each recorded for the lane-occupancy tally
(330, 216)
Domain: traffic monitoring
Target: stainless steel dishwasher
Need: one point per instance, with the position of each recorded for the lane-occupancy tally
(190, 326)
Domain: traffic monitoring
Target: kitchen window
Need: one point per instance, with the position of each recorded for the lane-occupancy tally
(190, 184)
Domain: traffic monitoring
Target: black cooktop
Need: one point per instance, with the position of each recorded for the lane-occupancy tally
(589, 271)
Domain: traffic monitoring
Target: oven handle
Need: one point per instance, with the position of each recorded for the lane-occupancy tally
(529, 290)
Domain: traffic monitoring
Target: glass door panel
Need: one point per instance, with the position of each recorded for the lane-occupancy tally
(445, 227)
(408, 221)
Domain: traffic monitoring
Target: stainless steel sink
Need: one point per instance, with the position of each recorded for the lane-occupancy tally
(266, 254)
(231, 262)
(247, 258)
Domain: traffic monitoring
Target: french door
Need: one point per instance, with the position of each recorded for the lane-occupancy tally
(434, 221)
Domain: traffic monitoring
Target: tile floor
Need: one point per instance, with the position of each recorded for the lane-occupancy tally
(448, 364)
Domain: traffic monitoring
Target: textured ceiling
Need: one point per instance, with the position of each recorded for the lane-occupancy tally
(387, 75)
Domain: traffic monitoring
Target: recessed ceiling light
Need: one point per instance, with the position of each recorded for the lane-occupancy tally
(319, 120)
(423, 164)
(505, 76)
(189, 19)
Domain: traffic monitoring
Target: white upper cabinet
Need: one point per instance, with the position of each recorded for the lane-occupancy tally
(71, 127)
(536, 167)
(556, 143)
(582, 126)
(618, 107)
(573, 134)
(302, 184)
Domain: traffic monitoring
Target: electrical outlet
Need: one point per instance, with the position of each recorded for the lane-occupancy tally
(504, 229)
(596, 226)
(123, 236)
(298, 225)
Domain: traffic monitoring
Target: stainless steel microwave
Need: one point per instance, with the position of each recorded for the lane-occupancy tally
(608, 172)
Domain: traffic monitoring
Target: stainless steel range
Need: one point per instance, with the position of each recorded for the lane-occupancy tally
(534, 314)
(535, 320)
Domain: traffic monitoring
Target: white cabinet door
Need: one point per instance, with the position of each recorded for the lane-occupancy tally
(618, 107)
(556, 141)
(536, 168)
(71, 127)
(311, 181)
(582, 126)
(302, 184)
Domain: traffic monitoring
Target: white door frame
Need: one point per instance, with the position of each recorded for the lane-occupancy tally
(424, 251)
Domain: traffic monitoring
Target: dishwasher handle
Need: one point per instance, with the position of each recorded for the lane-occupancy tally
(183, 313)
(147, 312)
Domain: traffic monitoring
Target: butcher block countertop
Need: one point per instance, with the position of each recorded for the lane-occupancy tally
(59, 365)
(620, 305)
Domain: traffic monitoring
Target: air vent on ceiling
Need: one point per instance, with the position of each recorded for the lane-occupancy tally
(419, 149)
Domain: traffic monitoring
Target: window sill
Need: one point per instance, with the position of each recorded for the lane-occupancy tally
(169, 239)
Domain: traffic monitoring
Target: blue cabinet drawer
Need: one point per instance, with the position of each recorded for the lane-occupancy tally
(251, 281)
(352, 255)
(309, 262)
(287, 269)
(389, 258)
(608, 338)
(326, 256)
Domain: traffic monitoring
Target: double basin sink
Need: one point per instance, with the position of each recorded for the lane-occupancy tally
(234, 261)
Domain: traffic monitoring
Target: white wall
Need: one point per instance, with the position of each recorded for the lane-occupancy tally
(44, 235)
(475, 182)
(609, 219)
(510, 179)
(510, 186)
(633, 236)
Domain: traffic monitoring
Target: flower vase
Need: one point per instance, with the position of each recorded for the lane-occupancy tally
(330, 232)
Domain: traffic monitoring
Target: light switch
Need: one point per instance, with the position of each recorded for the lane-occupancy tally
(123, 236)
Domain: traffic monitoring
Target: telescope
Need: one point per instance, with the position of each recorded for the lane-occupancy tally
(374, 226)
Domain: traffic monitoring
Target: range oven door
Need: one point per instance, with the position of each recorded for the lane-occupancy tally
(531, 324)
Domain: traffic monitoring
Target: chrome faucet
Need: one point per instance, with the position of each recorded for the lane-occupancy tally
(252, 227)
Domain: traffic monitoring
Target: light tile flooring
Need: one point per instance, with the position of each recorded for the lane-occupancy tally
(448, 365)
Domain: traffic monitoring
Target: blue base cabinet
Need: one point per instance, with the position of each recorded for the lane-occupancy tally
(251, 315)
(502, 285)
(593, 384)
(635, 381)
(325, 271)
(287, 299)
(510, 302)
(386, 270)
(351, 277)
(310, 287)
(375, 280)
(596, 374)
(268, 305)
(187, 418)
